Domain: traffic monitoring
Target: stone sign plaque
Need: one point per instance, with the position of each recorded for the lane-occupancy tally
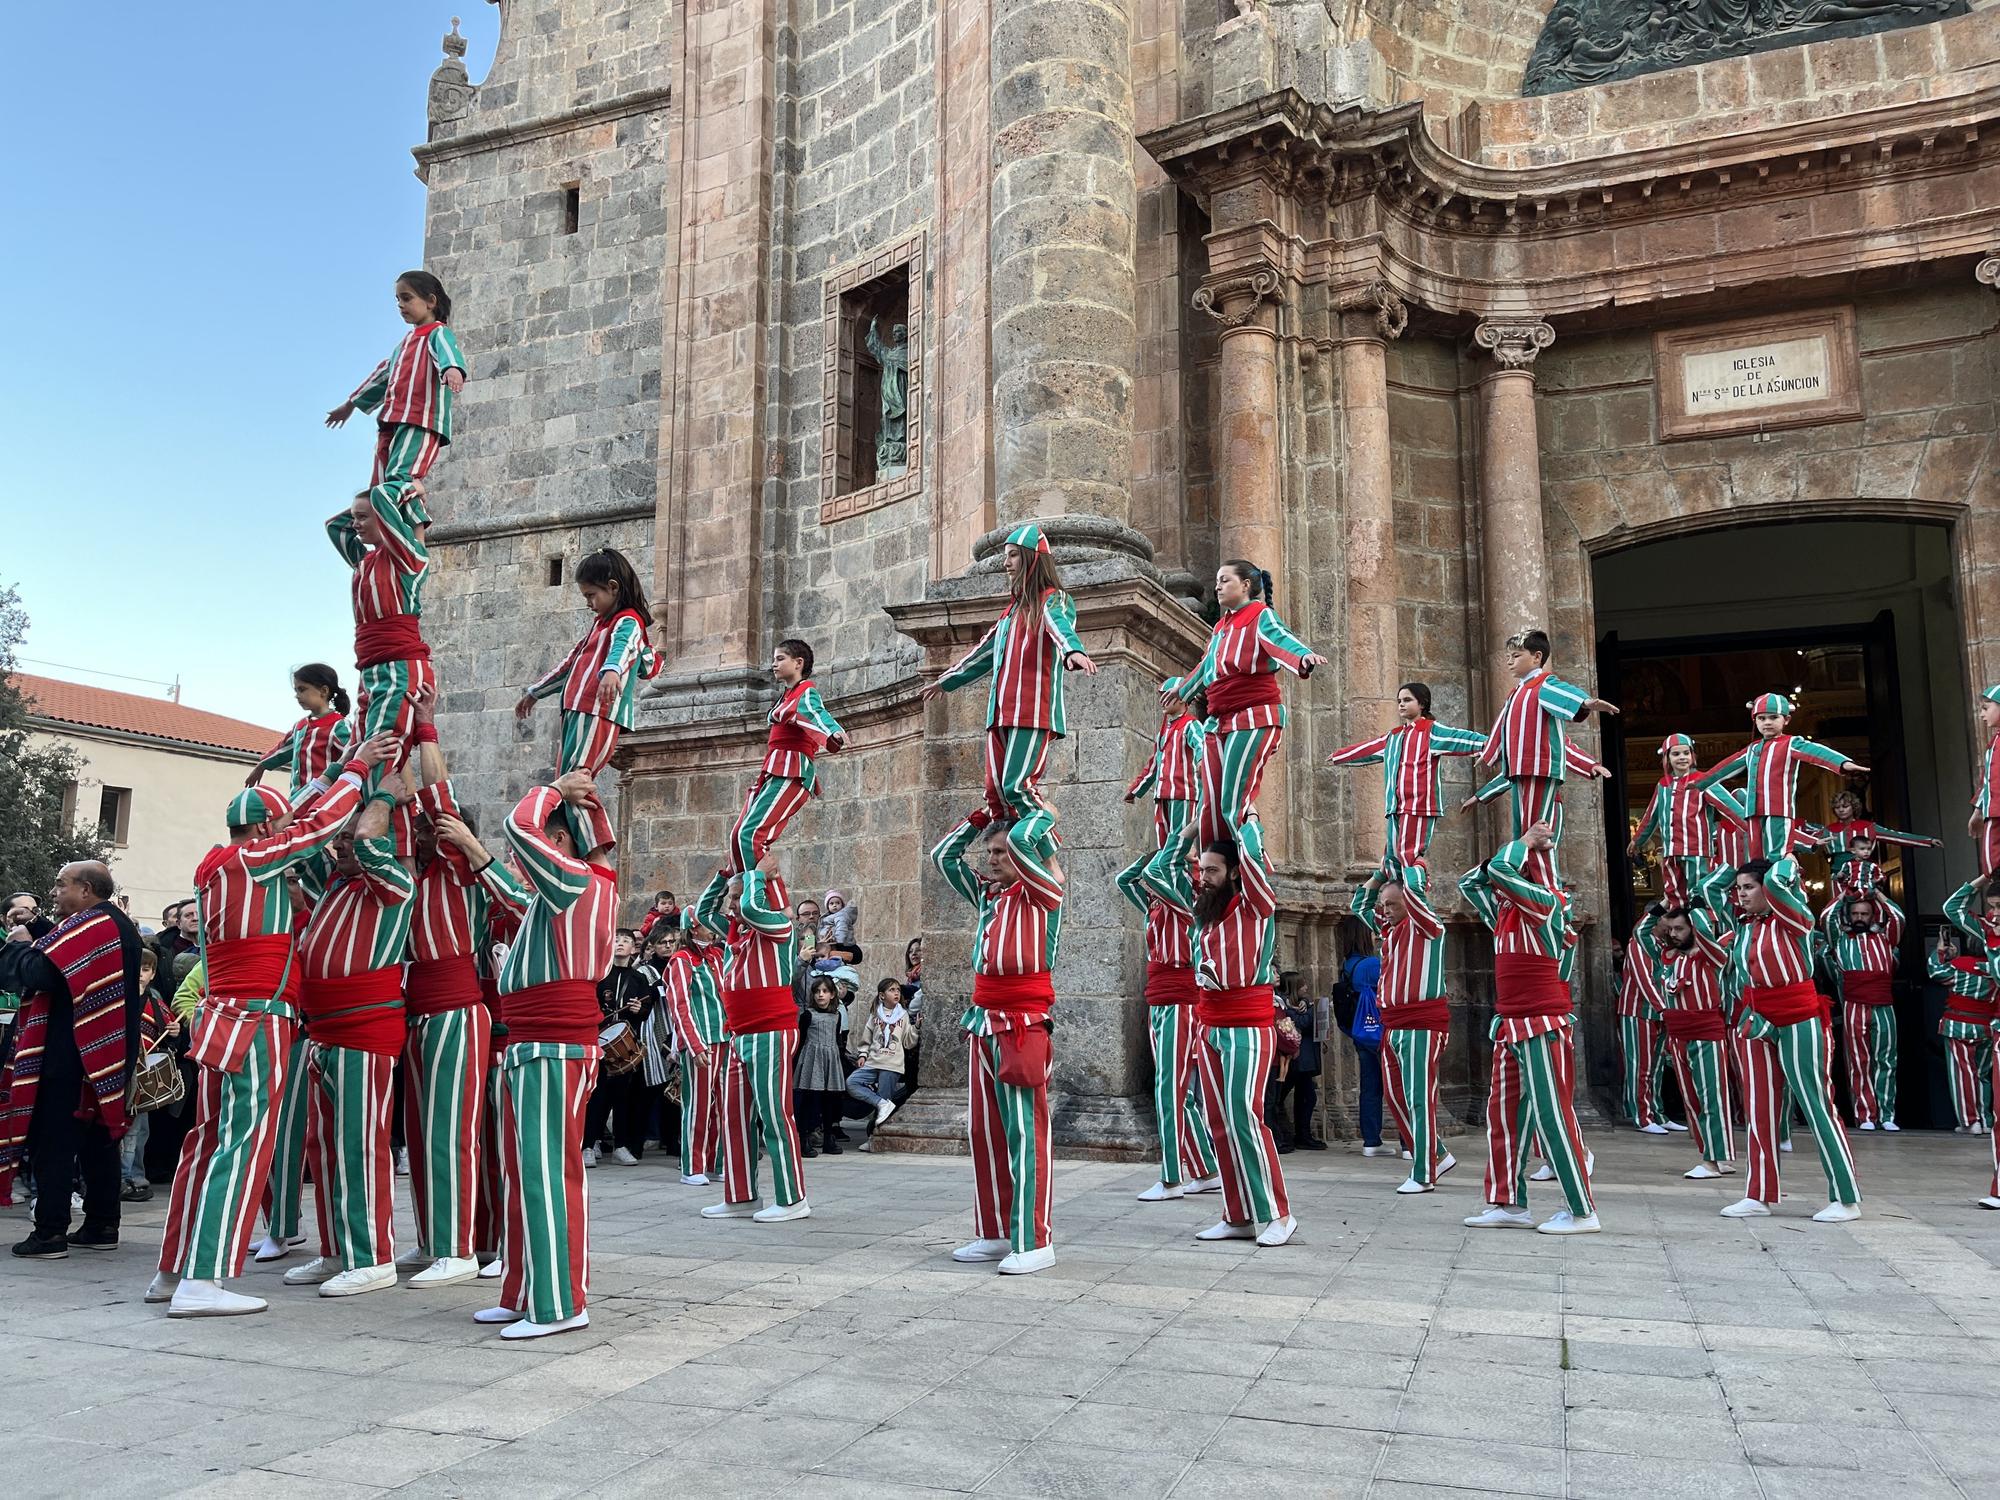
(1790, 370)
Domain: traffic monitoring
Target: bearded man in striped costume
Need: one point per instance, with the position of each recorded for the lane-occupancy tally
(1688, 957)
(243, 1035)
(548, 997)
(1862, 933)
(1784, 1021)
(1409, 755)
(1769, 769)
(1416, 1017)
(1531, 1094)
(1019, 899)
(761, 1015)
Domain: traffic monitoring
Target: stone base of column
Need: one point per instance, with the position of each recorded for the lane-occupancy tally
(1086, 1129)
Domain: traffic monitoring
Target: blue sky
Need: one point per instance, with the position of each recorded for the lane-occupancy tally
(207, 211)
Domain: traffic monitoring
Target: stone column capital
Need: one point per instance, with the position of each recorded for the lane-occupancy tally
(1234, 300)
(1987, 272)
(1375, 300)
(1514, 343)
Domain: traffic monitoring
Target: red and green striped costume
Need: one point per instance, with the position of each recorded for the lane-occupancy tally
(615, 644)
(1972, 1008)
(694, 1003)
(1416, 1018)
(800, 729)
(412, 407)
(1865, 962)
(389, 647)
(1641, 1033)
(1170, 774)
(1187, 1154)
(1530, 744)
(1689, 983)
(1007, 1025)
(1769, 770)
(1986, 800)
(312, 745)
(1409, 755)
(1685, 815)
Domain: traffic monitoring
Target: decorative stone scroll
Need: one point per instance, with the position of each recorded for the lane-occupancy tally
(1987, 272)
(1514, 345)
(1755, 374)
(1251, 291)
(1378, 297)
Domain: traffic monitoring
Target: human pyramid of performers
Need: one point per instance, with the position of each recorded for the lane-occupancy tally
(360, 920)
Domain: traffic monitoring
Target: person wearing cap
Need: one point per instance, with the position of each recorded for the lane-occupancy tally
(1985, 821)
(1409, 755)
(762, 1024)
(1684, 815)
(1854, 842)
(1863, 930)
(1769, 769)
(1683, 946)
(800, 730)
(1027, 651)
(1411, 994)
(1529, 744)
(548, 993)
(384, 546)
(694, 1005)
(1531, 1096)
(1784, 1020)
(243, 1037)
(1019, 898)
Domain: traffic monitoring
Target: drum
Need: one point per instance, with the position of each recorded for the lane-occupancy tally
(623, 1050)
(157, 1083)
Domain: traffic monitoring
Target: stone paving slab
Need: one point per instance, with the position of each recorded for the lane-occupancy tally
(1387, 1352)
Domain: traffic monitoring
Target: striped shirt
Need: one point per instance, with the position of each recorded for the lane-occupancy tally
(763, 940)
(1245, 650)
(616, 643)
(311, 746)
(1027, 666)
(1639, 985)
(1168, 932)
(243, 892)
(1241, 949)
(388, 579)
(1526, 918)
(693, 999)
(1873, 949)
(571, 917)
(1169, 771)
(1409, 756)
(1986, 801)
(1965, 909)
(1684, 813)
(453, 901)
(1528, 738)
(1020, 924)
(407, 389)
(1770, 772)
(362, 923)
(801, 728)
(1412, 948)
(1770, 950)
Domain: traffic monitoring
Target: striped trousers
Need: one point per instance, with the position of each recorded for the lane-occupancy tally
(285, 1192)
(768, 809)
(1774, 836)
(1232, 773)
(352, 1097)
(701, 1109)
(1641, 1047)
(1016, 756)
(587, 742)
(1778, 1058)
(383, 703)
(1530, 1101)
(226, 1157)
(544, 1091)
(402, 453)
(1681, 878)
(1968, 1057)
(1171, 831)
(1236, 1062)
(1186, 1152)
(1013, 1191)
(444, 1114)
(757, 1116)
(1532, 800)
(1410, 1058)
(1702, 1070)
(1871, 1061)
(1989, 844)
(1406, 851)
(489, 1200)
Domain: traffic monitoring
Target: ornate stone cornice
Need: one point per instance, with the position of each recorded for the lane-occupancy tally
(1514, 344)
(1392, 316)
(1233, 300)
(1987, 272)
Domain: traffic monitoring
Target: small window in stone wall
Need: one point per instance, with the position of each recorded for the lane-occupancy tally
(871, 401)
(572, 206)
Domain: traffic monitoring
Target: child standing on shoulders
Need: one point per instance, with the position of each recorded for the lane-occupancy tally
(411, 394)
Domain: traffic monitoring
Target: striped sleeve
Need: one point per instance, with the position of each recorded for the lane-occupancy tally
(1655, 816)
(1367, 753)
(1203, 675)
(552, 684)
(1789, 908)
(1813, 750)
(1961, 909)
(1892, 917)
(280, 756)
(761, 905)
(502, 889)
(559, 879)
(387, 878)
(1575, 759)
(1561, 700)
(368, 395)
(1907, 840)
(1476, 885)
(1284, 648)
(1148, 773)
(709, 909)
(1366, 897)
(346, 540)
(949, 857)
(444, 350)
(975, 664)
(1042, 884)
(1449, 740)
(816, 721)
(304, 837)
(1059, 621)
(1493, 788)
(1258, 891)
(627, 637)
(1725, 770)
(1425, 920)
(1508, 872)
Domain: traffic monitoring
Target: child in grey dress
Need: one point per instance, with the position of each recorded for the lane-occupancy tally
(819, 1081)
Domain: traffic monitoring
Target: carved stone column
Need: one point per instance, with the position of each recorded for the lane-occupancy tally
(1246, 460)
(1510, 484)
(1370, 660)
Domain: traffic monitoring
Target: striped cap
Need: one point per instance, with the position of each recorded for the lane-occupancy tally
(1771, 703)
(1171, 688)
(256, 804)
(1675, 742)
(1029, 536)
(1992, 694)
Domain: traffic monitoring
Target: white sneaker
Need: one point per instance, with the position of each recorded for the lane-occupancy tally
(1224, 1230)
(1983, 1203)
(1675, 1125)
(885, 1109)
(1025, 1262)
(1890, 1125)
(1375, 1150)
(779, 1213)
(1589, 1162)
(1445, 1164)
(527, 1330)
(210, 1299)
(497, 1315)
(624, 1158)
(694, 1179)
(1656, 1128)
(1162, 1192)
(164, 1282)
(493, 1270)
(1785, 1146)
(1838, 1213)
(271, 1247)
(315, 1272)
(1202, 1185)
(413, 1259)
(975, 1251)
(1407, 1156)
(1747, 1208)
(1543, 1173)
(748, 1210)
(361, 1279)
(1701, 1172)
(1411, 1185)
(1277, 1232)
(402, 1161)
(1981, 1130)
(1565, 1222)
(1499, 1216)
(1866, 1125)
(446, 1270)
(590, 1156)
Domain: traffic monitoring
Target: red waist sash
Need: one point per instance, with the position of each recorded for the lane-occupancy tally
(1863, 987)
(251, 968)
(1246, 1005)
(1242, 690)
(564, 1010)
(1530, 984)
(391, 638)
(1784, 1004)
(1972, 1012)
(792, 737)
(363, 1011)
(768, 1007)
(435, 985)
(1025, 994)
(1695, 1025)
(1169, 984)
(1419, 1015)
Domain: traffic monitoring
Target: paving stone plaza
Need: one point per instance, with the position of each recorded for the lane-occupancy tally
(1385, 1352)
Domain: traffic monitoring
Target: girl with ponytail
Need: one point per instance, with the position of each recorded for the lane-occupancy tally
(1246, 712)
(800, 729)
(317, 740)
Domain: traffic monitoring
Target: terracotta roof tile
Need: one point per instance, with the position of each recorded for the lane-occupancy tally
(129, 713)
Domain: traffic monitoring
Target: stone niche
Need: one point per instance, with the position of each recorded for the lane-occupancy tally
(886, 292)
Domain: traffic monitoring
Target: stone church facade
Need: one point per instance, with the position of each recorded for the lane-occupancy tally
(1307, 281)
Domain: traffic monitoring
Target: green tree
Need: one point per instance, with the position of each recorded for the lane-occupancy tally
(35, 840)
